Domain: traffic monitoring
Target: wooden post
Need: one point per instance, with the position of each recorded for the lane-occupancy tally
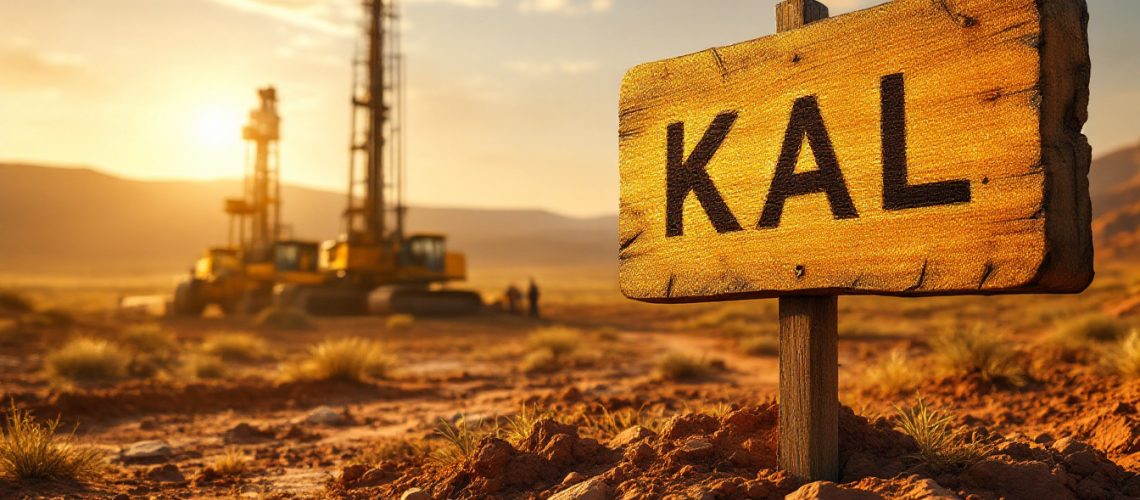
(809, 355)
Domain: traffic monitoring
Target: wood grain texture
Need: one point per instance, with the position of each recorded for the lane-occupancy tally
(809, 388)
(995, 96)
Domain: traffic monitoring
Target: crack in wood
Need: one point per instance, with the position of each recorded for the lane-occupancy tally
(633, 110)
(989, 271)
(629, 241)
(669, 285)
(720, 63)
(958, 18)
(921, 276)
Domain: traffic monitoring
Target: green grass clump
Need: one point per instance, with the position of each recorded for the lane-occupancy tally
(760, 345)
(1089, 330)
(87, 362)
(35, 451)
(400, 322)
(347, 360)
(1124, 359)
(941, 445)
(679, 367)
(236, 347)
(893, 375)
(975, 351)
(284, 318)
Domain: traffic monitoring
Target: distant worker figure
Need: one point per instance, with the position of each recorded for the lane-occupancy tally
(532, 296)
(514, 297)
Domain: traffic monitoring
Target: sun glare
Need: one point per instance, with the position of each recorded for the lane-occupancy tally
(215, 127)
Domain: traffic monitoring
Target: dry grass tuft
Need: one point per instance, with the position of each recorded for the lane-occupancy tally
(391, 450)
(30, 450)
(232, 463)
(400, 322)
(1089, 329)
(895, 374)
(941, 445)
(560, 341)
(611, 423)
(678, 367)
(205, 367)
(975, 351)
(346, 360)
(517, 427)
(152, 349)
(541, 361)
(236, 347)
(284, 318)
(460, 441)
(87, 362)
(760, 345)
(1125, 358)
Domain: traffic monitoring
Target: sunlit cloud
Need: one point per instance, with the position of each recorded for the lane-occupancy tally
(28, 67)
(571, 7)
(536, 69)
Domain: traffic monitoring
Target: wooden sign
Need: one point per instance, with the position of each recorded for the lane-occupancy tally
(916, 148)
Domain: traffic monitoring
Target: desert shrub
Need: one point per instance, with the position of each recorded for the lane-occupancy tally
(558, 340)
(893, 375)
(31, 450)
(152, 349)
(400, 322)
(87, 361)
(236, 347)
(607, 424)
(346, 360)
(941, 445)
(517, 427)
(1090, 329)
(680, 367)
(284, 318)
(232, 463)
(460, 441)
(760, 345)
(204, 367)
(975, 351)
(1124, 359)
(15, 302)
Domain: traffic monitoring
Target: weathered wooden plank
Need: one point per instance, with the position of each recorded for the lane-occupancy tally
(809, 387)
(929, 148)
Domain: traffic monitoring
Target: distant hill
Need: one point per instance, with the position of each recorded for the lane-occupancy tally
(77, 220)
(1115, 185)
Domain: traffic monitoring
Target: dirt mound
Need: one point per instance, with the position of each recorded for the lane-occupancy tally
(734, 456)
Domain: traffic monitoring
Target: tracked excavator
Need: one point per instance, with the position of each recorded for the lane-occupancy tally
(376, 264)
(240, 276)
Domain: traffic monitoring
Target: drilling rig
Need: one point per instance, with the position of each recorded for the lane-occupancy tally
(240, 276)
(375, 253)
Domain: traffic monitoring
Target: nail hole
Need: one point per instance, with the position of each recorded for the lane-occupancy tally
(800, 271)
(985, 180)
(795, 58)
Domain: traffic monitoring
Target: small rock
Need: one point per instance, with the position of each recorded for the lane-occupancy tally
(324, 415)
(694, 445)
(630, 436)
(573, 478)
(415, 494)
(352, 473)
(821, 490)
(1069, 446)
(594, 489)
(168, 473)
(244, 433)
(154, 451)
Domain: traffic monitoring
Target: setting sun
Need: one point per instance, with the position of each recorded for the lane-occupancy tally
(215, 127)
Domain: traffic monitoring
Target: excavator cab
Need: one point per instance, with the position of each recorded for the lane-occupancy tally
(296, 256)
(425, 257)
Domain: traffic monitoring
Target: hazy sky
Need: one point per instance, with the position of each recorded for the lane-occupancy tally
(513, 102)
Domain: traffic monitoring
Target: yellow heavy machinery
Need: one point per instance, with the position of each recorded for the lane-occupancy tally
(375, 256)
(240, 276)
